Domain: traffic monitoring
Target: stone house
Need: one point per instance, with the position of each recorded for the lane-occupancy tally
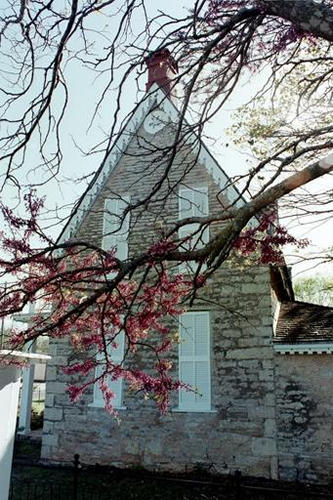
(261, 360)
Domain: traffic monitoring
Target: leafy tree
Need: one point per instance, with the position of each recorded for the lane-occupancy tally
(315, 289)
(216, 45)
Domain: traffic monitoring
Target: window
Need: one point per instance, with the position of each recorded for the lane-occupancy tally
(193, 203)
(194, 361)
(115, 229)
(116, 354)
(115, 234)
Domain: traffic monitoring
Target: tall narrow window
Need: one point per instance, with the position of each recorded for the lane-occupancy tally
(115, 234)
(115, 226)
(116, 355)
(194, 361)
(193, 203)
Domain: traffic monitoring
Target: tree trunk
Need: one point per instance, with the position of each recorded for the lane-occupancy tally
(308, 15)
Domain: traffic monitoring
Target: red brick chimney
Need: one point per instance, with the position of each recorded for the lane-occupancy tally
(162, 69)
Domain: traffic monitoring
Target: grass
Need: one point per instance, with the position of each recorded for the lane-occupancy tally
(28, 449)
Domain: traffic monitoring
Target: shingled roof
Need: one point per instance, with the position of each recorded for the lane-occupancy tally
(300, 322)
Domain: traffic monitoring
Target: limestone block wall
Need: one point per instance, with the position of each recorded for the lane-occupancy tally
(240, 431)
(305, 417)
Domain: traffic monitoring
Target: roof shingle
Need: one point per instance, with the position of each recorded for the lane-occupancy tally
(304, 322)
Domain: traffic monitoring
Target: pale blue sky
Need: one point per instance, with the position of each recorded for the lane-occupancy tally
(84, 89)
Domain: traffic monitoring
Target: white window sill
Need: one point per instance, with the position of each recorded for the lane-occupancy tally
(102, 405)
(192, 410)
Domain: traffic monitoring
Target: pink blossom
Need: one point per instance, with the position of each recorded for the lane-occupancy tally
(75, 392)
(83, 368)
(161, 248)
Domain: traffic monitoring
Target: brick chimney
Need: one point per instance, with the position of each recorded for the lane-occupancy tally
(162, 69)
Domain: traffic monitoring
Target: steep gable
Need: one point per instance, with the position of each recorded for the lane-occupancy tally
(154, 107)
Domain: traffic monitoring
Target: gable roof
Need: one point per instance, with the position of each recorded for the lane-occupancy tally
(155, 98)
(301, 322)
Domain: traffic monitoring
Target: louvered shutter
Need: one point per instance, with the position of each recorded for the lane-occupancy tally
(186, 361)
(194, 361)
(115, 229)
(193, 203)
(116, 355)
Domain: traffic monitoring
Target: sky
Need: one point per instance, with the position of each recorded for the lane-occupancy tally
(77, 137)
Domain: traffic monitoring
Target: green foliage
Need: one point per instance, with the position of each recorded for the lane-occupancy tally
(286, 123)
(37, 418)
(316, 289)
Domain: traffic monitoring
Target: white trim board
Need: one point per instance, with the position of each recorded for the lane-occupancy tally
(304, 348)
(155, 98)
(30, 357)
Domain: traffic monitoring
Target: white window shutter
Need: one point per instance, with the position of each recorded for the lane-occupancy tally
(110, 223)
(200, 202)
(116, 355)
(98, 398)
(202, 384)
(194, 361)
(186, 200)
(193, 203)
(201, 333)
(115, 228)
(187, 375)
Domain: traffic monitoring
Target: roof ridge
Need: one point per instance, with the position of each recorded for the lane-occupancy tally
(308, 304)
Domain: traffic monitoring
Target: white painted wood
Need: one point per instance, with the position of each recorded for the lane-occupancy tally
(28, 375)
(194, 361)
(9, 394)
(305, 348)
(30, 357)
